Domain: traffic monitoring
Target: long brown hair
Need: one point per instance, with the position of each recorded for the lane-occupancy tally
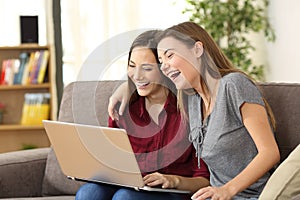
(147, 40)
(213, 60)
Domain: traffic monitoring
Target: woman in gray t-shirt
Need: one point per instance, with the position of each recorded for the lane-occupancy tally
(231, 124)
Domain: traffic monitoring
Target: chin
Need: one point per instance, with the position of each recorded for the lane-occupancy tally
(142, 93)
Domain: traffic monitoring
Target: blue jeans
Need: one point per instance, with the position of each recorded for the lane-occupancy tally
(92, 191)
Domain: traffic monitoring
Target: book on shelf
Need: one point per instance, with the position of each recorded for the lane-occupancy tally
(43, 66)
(23, 60)
(10, 68)
(36, 108)
(29, 68)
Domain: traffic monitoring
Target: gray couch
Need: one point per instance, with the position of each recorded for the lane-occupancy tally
(35, 174)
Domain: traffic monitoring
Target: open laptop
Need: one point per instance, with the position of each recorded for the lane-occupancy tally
(97, 154)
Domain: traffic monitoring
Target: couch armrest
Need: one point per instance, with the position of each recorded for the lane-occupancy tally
(22, 172)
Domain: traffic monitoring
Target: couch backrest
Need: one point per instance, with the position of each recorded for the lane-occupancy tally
(86, 103)
(284, 99)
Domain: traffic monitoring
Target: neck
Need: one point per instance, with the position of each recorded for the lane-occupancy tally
(155, 104)
(209, 93)
(158, 98)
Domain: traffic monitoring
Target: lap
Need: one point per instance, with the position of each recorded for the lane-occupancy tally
(131, 194)
(94, 191)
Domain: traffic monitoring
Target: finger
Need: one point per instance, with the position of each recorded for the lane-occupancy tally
(150, 178)
(110, 107)
(206, 195)
(122, 106)
(155, 182)
(166, 184)
(116, 116)
(199, 193)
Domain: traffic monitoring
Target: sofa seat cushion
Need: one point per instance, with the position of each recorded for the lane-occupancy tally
(285, 181)
(55, 182)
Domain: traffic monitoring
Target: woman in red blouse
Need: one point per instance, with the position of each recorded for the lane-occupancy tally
(157, 131)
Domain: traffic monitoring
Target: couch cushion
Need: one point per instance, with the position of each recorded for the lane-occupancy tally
(55, 182)
(85, 103)
(285, 181)
(22, 172)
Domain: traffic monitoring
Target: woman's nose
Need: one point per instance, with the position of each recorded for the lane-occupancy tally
(137, 75)
(164, 67)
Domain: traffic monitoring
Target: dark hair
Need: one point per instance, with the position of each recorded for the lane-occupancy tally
(148, 40)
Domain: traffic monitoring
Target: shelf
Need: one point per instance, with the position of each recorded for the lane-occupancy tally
(24, 87)
(4, 127)
(13, 135)
(23, 47)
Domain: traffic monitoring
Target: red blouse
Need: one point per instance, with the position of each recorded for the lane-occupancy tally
(162, 147)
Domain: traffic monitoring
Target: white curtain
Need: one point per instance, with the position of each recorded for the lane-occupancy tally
(88, 24)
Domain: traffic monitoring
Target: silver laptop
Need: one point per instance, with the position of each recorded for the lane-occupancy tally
(97, 154)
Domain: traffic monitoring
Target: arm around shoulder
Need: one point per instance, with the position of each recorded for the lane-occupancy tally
(120, 95)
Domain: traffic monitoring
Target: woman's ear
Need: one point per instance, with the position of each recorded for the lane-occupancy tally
(198, 47)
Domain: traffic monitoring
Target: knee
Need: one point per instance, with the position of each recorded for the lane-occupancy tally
(124, 194)
(88, 191)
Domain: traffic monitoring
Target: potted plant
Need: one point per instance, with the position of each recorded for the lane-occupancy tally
(230, 22)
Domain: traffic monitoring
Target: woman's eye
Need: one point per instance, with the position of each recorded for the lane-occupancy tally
(132, 66)
(147, 68)
(169, 55)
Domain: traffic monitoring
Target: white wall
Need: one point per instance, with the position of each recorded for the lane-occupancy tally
(10, 10)
(283, 55)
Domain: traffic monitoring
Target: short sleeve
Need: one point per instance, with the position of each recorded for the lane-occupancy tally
(240, 89)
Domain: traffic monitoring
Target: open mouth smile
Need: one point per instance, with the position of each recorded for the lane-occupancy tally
(142, 85)
(173, 74)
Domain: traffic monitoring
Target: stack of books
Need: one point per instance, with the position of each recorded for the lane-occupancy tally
(36, 108)
(29, 68)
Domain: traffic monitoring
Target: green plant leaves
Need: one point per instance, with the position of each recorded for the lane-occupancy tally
(230, 21)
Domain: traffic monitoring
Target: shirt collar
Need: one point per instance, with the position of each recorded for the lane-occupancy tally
(140, 106)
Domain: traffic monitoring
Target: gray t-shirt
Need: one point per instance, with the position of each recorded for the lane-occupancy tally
(222, 140)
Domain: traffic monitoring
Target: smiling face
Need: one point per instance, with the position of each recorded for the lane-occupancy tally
(180, 63)
(144, 72)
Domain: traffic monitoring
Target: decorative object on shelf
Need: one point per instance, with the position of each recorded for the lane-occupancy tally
(230, 22)
(29, 29)
(2, 109)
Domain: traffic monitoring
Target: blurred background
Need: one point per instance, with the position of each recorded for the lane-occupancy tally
(86, 24)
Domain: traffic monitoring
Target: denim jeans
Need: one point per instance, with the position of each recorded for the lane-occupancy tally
(92, 191)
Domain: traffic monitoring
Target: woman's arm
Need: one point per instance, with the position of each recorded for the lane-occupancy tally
(256, 121)
(119, 95)
(174, 181)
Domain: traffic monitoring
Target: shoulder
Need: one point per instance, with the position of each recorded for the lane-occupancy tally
(236, 78)
(240, 88)
(237, 81)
